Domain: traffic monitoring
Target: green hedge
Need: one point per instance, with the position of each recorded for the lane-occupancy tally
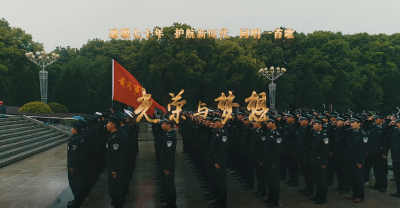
(36, 107)
(58, 108)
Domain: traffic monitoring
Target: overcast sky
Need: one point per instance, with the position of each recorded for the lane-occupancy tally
(74, 22)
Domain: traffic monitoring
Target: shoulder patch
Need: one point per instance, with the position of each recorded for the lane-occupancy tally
(263, 138)
(68, 147)
(115, 146)
(365, 139)
(278, 140)
(326, 140)
(224, 138)
(169, 143)
(106, 145)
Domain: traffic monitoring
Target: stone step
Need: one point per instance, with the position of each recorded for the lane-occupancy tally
(11, 118)
(19, 129)
(30, 152)
(15, 126)
(18, 150)
(20, 133)
(11, 139)
(12, 122)
(28, 141)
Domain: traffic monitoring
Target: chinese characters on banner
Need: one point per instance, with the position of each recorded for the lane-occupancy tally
(257, 106)
(226, 104)
(202, 111)
(125, 33)
(178, 106)
(144, 106)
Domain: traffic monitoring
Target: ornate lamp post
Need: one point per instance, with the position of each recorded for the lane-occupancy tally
(43, 59)
(272, 75)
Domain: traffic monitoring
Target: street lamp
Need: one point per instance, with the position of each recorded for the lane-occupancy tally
(43, 59)
(272, 74)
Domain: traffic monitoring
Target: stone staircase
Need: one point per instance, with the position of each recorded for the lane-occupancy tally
(21, 137)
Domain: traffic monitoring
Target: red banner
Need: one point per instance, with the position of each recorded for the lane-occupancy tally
(126, 89)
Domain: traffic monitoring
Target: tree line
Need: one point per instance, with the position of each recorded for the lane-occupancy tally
(358, 71)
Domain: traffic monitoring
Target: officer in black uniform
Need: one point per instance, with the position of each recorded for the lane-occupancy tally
(248, 170)
(271, 154)
(75, 164)
(167, 163)
(393, 143)
(289, 147)
(338, 152)
(218, 153)
(304, 145)
(256, 140)
(319, 161)
(356, 149)
(115, 161)
(376, 144)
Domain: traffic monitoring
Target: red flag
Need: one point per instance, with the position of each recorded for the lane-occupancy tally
(126, 89)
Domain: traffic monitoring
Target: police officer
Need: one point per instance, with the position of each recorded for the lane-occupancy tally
(167, 163)
(218, 153)
(271, 153)
(3, 109)
(115, 161)
(319, 161)
(338, 152)
(289, 143)
(257, 138)
(75, 164)
(356, 145)
(376, 145)
(393, 143)
(304, 145)
(248, 170)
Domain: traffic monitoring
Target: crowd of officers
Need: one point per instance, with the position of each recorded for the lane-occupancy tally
(260, 154)
(110, 140)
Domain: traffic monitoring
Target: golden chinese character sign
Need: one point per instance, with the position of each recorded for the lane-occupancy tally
(257, 107)
(226, 104)
(200, 33)
(144, 106)
(202, 111)
(178, 106)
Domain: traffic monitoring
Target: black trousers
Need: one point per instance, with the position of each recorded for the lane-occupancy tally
(293, 168)
(380, 169)
(321, 185)
(272, 176)
(341, 173)
(283, 164)
(221, 185)
(367, 167)
(396, 173)
(169, 186)
(249, 172)
(307, 173)
(329, 170)
(261, 178)
(211, 176)
(116, 188)
(76, 183)
(356, 180)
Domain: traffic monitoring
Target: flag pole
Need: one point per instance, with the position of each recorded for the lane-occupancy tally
(112, 88)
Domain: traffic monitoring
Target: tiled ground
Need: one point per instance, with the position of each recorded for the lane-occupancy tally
(35, 181)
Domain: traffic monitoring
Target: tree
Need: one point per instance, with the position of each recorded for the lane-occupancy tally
(310, 95)
(340, 93)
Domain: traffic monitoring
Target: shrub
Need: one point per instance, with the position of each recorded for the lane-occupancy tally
(58, 108)
(36, 107)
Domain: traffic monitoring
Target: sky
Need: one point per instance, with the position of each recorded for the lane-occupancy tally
(74, 22)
